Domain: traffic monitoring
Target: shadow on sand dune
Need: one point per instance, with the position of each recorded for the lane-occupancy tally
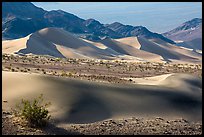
(88, 109)
(78, 101)
(46, 48)
(99, 102)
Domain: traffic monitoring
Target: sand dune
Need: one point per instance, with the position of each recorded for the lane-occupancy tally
(185, 55)
(13, 46)
(132, 41)
(59, 43)
(102, 46)
(171, 81)
(156, 80)
(168, 51)
(77, 101)
(130, 50)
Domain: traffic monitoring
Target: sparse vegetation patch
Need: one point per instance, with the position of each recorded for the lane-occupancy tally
(34, 112)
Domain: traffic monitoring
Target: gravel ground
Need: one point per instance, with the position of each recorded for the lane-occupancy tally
(12, 125)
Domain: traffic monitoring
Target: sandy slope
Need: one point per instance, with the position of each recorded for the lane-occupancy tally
(156, 80)
(77, 101)
(12, 46)
(168, 51)
(184, 55)
(56, 42)
(102, 46)
(132, 41)
(130, 50)
(59, 43)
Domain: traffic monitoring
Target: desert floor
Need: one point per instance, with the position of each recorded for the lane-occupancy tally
(104, 97)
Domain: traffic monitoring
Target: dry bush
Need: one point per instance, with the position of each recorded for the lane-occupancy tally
(34, 112)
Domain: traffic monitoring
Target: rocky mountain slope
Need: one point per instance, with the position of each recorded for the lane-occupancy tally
(187, 31)
(17, 16)
(188, 34)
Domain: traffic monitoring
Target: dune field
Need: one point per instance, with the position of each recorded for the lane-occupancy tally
(94, 86)
(105, 69)
(59, 43)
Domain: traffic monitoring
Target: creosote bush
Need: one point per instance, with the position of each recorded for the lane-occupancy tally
(63, 73)
(34, 112)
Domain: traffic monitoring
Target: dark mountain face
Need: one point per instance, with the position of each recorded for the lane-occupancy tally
(21, 9)
(18, 27)
(96, 28)
(67, 21)
(124, 30)
(22, 18)
(92, 24)
(187, 31)
(139, 31)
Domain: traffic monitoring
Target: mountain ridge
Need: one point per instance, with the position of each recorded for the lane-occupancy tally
(188, 34)
(192, 27)
(61, 19)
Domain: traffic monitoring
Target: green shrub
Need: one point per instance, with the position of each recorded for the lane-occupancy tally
(63, 73)
(35, 113)
(70, 74)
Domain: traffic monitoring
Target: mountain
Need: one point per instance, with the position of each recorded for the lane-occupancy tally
(17, 23)
(99, 29)
(18, 27)
(14, 19)
(21, 10)
(188, 34)
(57, 42)
(187, 31)
(139, 31)
(23, 18)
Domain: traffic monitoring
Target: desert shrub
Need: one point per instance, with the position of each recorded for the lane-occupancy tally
(63, 73)
(8, 67)
(57, 59)
(108, 66)
(70, 74)
(130, 79)
(34, 112)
